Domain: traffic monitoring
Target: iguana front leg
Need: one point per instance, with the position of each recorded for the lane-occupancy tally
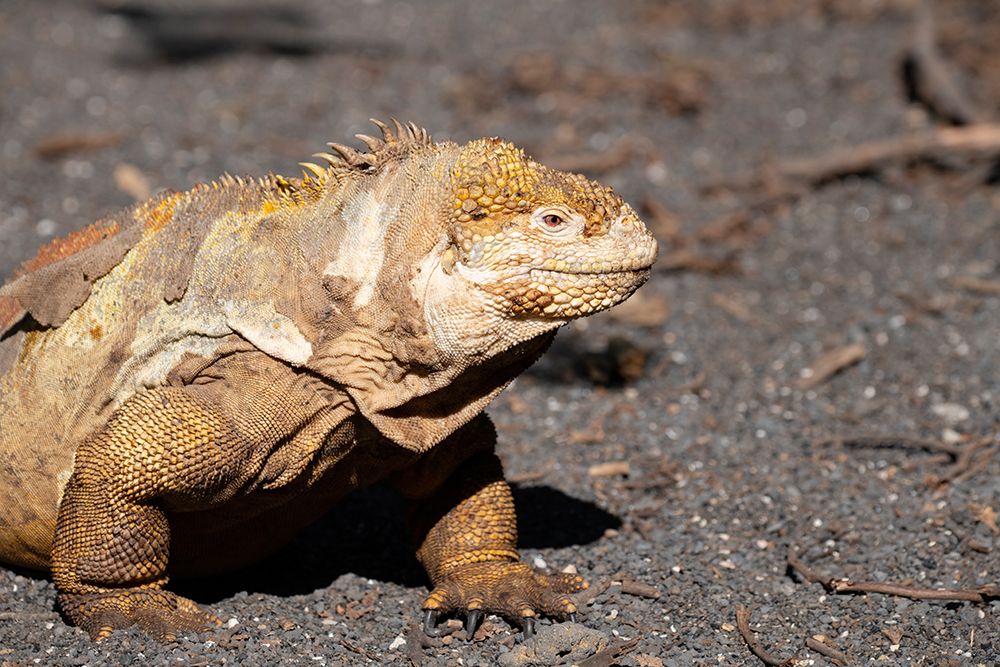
(112, 540)
(180, 449)
(469, 549)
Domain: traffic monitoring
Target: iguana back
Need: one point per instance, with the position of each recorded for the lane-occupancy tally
(72, 345)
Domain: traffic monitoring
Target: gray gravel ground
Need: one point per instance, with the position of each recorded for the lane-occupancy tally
(726, 469)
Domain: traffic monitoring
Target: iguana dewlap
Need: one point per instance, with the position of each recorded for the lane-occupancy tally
(186, 383)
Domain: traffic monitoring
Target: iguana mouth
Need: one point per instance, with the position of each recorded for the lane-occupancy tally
(539, 273)
(599, 268)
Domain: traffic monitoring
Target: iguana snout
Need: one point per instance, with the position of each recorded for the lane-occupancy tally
(540, 242)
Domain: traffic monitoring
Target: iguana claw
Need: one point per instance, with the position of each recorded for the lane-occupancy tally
(472, 621)
(430, 623)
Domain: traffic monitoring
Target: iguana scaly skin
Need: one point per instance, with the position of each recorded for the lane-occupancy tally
(186, 383)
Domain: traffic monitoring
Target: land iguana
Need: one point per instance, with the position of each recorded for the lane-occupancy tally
(186, 383)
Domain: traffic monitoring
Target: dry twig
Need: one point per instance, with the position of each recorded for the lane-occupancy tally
(832, 363)
(967, 460)
(640, 589)
(973, 458)
(610, 655)
(733, 308)
(697, 262)
(933, 79)
(610, 469)
(836, 655)
(594, 162)
(892, 440)
(979, 140)
(978, 285)
(665, 224)
(982, 594)
(743, 624)
(59, 145)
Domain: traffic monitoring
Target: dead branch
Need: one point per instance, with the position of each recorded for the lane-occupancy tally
(836, 655)
(588, 595)
(934, 81)
(743, 624)
(694, 386)
(594, 162)
(984, 594)
(973, 458)
(978, 140)
(978, 285)
(611, 654)
(733, 308)
(697, 262)
(726, 226)
(665, 224)
(832, 363)
(979, 464)
(640, 589)
(892, 440)
(62, 144)
(807, 573)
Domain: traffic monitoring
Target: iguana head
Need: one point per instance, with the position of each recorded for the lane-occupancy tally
(498, 247)
(535, 246)
(444, 269)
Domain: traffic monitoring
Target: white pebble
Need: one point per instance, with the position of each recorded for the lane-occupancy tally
(952, 413)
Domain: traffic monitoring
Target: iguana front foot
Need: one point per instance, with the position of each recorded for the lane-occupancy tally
(509, 588)
(159, 613)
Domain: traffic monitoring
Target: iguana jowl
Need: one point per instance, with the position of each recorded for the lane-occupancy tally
(199, 376)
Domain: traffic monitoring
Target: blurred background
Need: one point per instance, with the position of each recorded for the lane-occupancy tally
(822, 176)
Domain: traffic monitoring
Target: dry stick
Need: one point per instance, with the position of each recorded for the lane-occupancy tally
(979, 285)
(696, 262)
(594, 162)
(834, 654)
(982, 594)
(893, 440)
(831, 363)
(933, 77)
(968, 463)
(804, 571)
(977, 464)
(610, 655)
(837, 586)
(664, 221)
(743, 623)
(980, 140)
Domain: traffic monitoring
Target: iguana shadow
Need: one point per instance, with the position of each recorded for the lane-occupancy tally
(177, 36)
(366, 535)
(573, 359)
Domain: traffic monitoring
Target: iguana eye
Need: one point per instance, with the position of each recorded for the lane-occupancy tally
(553, 221)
